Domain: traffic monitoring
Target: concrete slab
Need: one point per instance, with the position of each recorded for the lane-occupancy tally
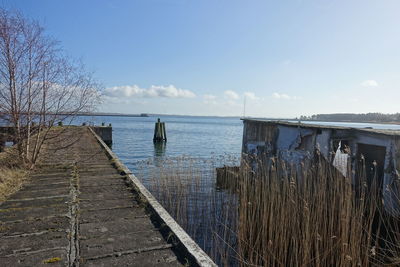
(31, 213)
(41, 182)
(108, 204)
(98, 171)
(48, 186)
(44, 258)
(119, 225)
(110, 215)
(23, 194)
(101, 182)
(35, 203)
(159, 258)
(24, 244)
(54, 180)
(61, 223)
(116, 189)
(120, 242)
(101, 176)
(105, 195)
(50, 174)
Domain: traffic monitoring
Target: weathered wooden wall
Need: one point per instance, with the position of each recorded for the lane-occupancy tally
(296, 142)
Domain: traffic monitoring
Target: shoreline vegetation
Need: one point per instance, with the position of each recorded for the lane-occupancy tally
(277, 214)
(13, 174)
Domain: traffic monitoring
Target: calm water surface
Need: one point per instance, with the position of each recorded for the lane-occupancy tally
(198, 137)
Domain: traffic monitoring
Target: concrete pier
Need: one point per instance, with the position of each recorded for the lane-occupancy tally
(105, 133)
(83, 207)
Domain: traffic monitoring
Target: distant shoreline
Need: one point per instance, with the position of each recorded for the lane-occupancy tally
(113, 114)
(154, 115)
(240, 117)
(146, 115)
(348, 121)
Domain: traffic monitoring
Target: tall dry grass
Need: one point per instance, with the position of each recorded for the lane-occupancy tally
(279, 215)
(304, 216)
(186, 188)
(12, 173)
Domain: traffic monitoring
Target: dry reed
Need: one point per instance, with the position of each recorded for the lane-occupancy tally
(186, 188)
(12, 173)
(278, 215)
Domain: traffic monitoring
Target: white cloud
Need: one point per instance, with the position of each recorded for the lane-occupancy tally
(369, 83)
(210, 99)
(231, 95)
(134, 91)
(280, 96)
(232, 103)
(285, 96)
(251, 96)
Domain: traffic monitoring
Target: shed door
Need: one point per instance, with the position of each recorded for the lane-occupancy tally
(374, 163)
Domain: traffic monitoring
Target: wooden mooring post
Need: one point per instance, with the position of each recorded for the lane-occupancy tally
(159, 132)
(2, 143)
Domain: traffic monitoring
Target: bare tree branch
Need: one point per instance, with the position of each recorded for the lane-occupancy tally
(38, 84)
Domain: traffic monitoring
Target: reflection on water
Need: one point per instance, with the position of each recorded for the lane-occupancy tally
(159, 153)
(159, 149)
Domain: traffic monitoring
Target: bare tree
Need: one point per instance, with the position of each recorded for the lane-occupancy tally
(39, 85)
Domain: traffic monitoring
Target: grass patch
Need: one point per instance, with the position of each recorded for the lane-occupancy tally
(12, 173)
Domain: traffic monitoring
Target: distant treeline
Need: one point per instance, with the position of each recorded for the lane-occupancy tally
(352, 117)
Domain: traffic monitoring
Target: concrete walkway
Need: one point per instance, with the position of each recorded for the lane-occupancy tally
(77, 211)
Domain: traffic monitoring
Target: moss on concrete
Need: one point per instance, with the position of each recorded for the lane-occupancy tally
(52, 260)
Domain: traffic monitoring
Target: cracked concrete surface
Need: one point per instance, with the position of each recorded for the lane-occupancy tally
(78, 211)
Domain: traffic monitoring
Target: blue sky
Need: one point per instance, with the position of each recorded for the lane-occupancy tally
(287, 58)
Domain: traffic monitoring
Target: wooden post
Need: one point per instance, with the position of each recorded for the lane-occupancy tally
(164, 132)
(2, 143)
(159, 132)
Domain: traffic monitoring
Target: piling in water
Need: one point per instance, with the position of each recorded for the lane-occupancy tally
(159, 132)
(228, 177)
(2, 143)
